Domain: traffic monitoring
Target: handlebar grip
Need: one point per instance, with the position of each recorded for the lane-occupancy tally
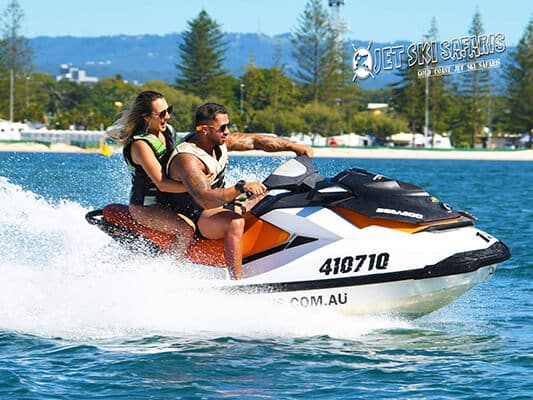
(244, 196)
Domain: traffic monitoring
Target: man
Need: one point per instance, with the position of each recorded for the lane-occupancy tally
(200, 161)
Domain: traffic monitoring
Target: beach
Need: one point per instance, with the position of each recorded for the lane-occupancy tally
(322, 152)
(409, 153)
(402, 153)
(26, 147)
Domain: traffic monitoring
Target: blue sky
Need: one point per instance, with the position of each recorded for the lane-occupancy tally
(377, 20)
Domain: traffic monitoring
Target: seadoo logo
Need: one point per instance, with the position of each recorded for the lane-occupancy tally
(390, 211)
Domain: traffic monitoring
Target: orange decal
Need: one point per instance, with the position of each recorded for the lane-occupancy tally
(362, 221)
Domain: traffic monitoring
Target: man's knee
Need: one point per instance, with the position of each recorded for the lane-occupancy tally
(236, 226)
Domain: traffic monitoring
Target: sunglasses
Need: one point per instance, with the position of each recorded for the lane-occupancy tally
(222, 128)
(162, 114)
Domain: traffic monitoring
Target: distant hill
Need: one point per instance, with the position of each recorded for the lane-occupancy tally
(147, 57)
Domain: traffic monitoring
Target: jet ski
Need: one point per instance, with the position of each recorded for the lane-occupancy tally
(358, 242)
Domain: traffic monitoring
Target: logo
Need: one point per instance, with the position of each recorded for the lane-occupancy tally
(362, 63)
(402, 213)
(457, 55)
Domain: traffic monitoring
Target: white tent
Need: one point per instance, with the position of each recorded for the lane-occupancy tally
(407, 139)
(350, 140)
(419, 140)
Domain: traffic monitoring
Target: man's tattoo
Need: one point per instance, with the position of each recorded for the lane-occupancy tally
(258, 142)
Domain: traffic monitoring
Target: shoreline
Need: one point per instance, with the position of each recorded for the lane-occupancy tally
(319, 152)
(30, 147)
(403, 153)
(427, 154)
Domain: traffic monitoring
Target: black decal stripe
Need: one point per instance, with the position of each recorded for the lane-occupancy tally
(459, 263)
(444, 226)
(297, 241)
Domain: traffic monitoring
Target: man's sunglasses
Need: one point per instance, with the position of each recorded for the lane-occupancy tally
(222, 128)
(162, 114)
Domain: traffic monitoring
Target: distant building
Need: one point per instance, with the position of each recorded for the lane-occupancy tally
(73, 74)
(80, 138)
(377, 108)
(11, 130)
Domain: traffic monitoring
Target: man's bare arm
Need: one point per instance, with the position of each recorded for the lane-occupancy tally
(191, 171)
(244, 141)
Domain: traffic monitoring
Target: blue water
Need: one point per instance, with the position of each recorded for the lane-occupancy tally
(81, 318)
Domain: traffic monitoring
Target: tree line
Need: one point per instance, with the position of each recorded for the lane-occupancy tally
(319, 97)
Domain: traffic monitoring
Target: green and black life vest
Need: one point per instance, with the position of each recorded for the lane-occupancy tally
(144, 192)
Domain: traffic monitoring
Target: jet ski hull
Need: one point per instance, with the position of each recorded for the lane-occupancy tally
(407, 298)
(404, 291)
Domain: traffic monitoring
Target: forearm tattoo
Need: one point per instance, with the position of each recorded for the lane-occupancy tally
(259, 142)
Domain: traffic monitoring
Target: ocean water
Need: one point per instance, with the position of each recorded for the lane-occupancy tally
(80, 318)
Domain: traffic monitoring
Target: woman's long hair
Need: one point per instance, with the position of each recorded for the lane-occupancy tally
(132, 121)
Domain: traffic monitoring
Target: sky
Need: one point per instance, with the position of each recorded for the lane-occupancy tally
(376, 20)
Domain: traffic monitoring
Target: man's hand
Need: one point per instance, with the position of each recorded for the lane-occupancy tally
(303, 150)
(256, 188)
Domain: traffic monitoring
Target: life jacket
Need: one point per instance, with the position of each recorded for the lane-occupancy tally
(144, 192)
(215, 166)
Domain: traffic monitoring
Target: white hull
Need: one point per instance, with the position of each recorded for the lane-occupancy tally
(409, 298)
(420, 274)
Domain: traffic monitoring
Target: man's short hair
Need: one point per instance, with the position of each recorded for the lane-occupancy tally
(206, 113)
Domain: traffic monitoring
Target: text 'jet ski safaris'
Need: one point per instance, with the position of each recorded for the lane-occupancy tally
(359, 242)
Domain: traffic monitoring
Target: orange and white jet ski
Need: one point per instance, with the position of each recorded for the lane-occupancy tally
(359, 242)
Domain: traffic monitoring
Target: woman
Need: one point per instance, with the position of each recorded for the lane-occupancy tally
(148, 140)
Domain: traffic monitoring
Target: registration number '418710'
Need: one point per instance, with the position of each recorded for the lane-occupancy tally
(344, 265)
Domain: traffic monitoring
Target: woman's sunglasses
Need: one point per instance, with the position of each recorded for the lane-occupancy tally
(162, 114)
